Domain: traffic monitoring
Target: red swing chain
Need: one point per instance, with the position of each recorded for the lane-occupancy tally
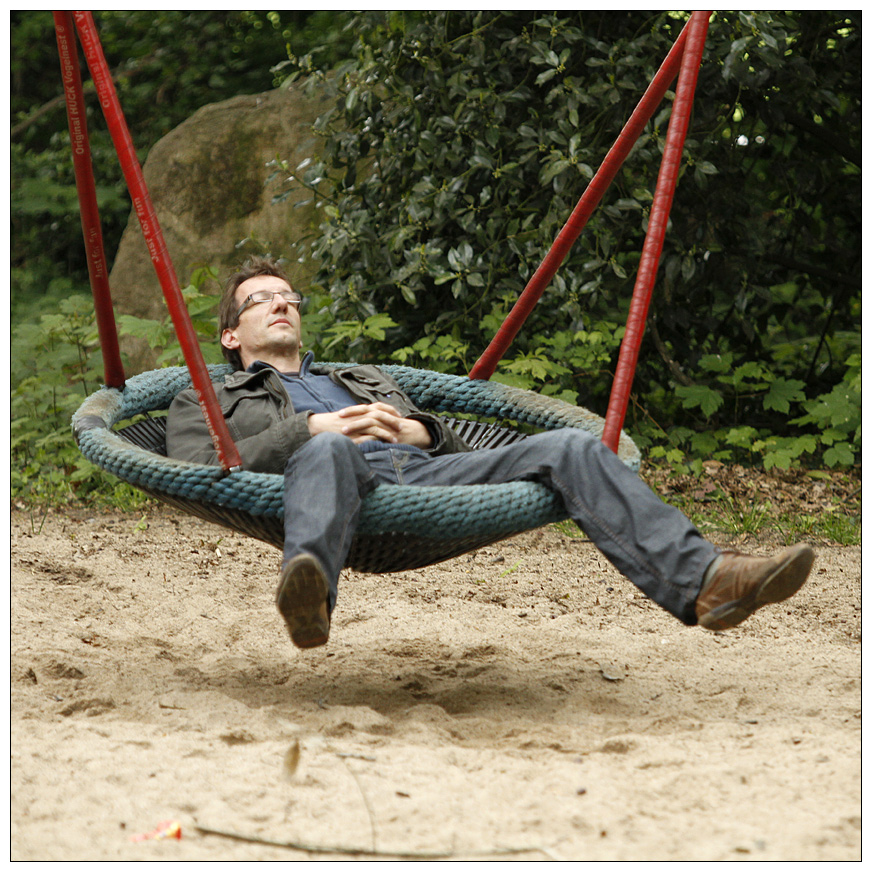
(680, 58)
(98, 271)
(656, 233)
(227, 452)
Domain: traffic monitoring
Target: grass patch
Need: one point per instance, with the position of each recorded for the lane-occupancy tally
(817, 506)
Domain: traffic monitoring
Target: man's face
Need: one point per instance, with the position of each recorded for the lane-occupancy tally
(268, 331)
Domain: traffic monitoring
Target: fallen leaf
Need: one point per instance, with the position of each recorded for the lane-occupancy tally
(292, 759)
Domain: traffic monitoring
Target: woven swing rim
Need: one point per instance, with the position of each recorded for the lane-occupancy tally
(400, 528)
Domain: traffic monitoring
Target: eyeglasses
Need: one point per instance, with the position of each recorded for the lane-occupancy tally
(292, 298)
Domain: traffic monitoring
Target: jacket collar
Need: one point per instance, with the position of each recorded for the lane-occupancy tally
(260, 370)
(305, 365)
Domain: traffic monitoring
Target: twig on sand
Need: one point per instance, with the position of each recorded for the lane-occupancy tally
(365, 802)
(363, 852)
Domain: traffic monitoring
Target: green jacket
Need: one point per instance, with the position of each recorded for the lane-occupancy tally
(266, 428)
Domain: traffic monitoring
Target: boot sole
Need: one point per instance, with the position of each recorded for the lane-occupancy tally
(301, 599)
(783, 583)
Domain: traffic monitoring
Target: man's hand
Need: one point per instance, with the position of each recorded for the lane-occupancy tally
(373, 421)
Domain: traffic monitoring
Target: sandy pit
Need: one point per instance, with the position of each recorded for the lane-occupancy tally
(522, 702)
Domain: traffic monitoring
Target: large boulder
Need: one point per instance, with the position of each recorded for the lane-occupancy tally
(208, 180)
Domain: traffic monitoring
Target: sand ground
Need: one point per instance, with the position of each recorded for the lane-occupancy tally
(524, 698)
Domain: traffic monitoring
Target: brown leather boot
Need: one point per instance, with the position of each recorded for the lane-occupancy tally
(301, 599)
(741, 584)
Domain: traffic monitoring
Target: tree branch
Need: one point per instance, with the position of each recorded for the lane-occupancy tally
(811, 269)
(87, 89)
(660, 345)
(50, 106)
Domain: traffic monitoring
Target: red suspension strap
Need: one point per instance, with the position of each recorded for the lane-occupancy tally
(98, 271)
(224, 445)
(657, 221)
(487, 363)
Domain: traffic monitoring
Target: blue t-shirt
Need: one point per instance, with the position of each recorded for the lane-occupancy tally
(310, 392)
(319, 393)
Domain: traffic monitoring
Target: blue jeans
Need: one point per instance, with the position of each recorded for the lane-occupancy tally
(651, 543)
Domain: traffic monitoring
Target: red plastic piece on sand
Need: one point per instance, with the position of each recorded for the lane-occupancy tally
(164, 830)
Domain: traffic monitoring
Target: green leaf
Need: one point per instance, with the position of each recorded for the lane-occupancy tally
(553, 169)
(804, 444)
(783, 392)
(780, 459)
(693, 396)
(840, 454)
(741, 437)
(475, 280)
(154, 332)
(545, 76)
(716, 362)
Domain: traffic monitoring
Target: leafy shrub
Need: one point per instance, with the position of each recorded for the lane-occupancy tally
(55, 364)
(458, 143)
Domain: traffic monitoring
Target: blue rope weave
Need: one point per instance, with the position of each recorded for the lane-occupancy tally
(472, 511)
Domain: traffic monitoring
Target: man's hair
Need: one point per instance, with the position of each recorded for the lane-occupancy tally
(227, 317)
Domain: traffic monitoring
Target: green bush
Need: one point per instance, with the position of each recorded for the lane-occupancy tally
(459, 142)
(55, 364)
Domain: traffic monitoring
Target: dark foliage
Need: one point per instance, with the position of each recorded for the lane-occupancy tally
(459, 142)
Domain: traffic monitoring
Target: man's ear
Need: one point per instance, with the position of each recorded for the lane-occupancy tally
(228, 339)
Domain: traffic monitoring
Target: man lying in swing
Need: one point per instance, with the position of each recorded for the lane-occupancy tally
(337, 435)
